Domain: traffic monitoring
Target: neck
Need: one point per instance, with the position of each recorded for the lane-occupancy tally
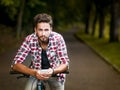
(43, 45)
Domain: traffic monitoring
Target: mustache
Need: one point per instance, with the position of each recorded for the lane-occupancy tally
(43, 36)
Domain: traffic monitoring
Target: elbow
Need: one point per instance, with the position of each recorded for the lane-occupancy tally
(13, 67)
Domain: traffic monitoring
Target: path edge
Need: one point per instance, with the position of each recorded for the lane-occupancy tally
(98, 54)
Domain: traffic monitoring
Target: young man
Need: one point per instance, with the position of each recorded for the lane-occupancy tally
(48, 53)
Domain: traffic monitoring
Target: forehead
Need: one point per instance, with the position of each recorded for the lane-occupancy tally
(43, 25)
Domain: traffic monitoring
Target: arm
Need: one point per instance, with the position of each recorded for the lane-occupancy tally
(20, 58)
(61, 68)
(23, 69)
(62, 56)
(33, 72)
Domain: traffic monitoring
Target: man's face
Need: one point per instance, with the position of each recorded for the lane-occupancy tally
(43, 31)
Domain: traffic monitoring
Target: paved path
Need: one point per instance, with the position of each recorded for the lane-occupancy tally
(87, 70)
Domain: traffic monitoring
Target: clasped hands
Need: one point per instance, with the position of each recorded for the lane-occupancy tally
(44, 74)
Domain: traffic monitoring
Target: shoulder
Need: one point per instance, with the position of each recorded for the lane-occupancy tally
(31, 37)
(56, 35)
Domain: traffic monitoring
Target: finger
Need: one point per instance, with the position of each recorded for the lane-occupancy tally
(44, 77)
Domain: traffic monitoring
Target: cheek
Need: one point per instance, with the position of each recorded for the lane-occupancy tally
(38, 34)
(47, 34)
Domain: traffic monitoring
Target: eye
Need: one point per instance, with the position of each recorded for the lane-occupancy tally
(40, 29)
(46, 29)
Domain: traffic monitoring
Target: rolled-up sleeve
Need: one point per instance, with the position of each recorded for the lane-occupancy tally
(62, 52)
(22, 52)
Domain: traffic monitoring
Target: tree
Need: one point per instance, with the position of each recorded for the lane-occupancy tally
(87, 15)
(114, 21)
(15, 9)
(101, 22)
(101, 7)
(10, 7)
(20, 18)
(87, 20)
(94, 22)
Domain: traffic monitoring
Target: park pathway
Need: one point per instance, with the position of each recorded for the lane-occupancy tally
(88, 71)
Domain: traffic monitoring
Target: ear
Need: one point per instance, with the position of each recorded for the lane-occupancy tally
(35, 29)
(51, 28)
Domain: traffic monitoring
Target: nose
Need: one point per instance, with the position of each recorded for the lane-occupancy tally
(43, 33)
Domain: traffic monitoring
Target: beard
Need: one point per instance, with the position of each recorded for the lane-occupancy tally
(44, 39)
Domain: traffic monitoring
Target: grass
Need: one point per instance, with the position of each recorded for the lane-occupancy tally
(110, 51)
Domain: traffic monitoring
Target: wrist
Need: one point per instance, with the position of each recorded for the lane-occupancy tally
(34, 72)
(52, 71)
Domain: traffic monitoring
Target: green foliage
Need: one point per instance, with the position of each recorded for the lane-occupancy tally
(33, 3)
(11, 7)
(7, 2)
(68, 13)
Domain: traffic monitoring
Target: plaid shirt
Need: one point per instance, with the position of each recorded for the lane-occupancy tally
(56, 52)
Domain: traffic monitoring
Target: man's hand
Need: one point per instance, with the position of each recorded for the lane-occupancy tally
(44, 74)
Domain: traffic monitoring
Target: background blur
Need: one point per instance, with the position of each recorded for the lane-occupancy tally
(95, 22)
(96, 18)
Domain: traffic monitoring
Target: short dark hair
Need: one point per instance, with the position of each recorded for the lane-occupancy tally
(43, 17)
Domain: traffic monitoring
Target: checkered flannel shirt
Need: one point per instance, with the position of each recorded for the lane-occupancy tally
(56, 52)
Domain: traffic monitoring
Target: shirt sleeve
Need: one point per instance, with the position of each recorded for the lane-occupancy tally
(22, 52)
(62, 52)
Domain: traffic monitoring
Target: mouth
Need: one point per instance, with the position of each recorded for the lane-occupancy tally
(43, 39)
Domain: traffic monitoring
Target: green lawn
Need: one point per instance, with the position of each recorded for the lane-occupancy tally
(110, 51)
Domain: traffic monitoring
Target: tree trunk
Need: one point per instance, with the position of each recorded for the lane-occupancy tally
(114, 22)
(19, 21)
(87, 20)
(101, 23)
(87, 26)
(94, 23)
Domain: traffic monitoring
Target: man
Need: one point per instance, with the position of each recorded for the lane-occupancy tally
(48, 53)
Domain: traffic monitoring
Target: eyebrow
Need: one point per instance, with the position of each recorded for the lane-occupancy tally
(43, 29)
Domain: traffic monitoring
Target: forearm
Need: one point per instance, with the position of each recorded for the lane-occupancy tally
(61, 68)
(23, 69)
